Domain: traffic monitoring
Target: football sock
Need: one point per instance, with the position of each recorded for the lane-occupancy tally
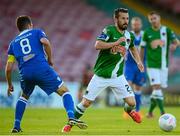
(156, 98)
(138, 100)
(161, 105)
(79, 110)
(68, 104)
(128, 108)
(20, 108)
(152, 105)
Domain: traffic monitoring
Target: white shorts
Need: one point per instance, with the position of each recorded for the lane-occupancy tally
(119, 86)
(158, 76)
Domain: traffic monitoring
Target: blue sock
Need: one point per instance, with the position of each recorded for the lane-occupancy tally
(20, 108)
(68, 104)
(138, 100)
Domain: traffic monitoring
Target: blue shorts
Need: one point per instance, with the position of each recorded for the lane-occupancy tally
(133, 74)
(45, 77)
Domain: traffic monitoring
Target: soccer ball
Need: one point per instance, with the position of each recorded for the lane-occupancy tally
(167, 122)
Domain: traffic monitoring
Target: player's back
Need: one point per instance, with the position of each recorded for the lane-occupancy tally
(29, 52)
(27, 49)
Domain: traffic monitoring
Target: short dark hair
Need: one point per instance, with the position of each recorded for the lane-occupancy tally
(153, 13)
(119, 10)
(22, 22)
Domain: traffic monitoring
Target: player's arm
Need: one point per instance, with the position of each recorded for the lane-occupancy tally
(173, 38)
(47, 47)
(135, 54)
(102, 40)
(142, 46)
(142, 51)
(101, 45)
(8, 71)
(174, 44)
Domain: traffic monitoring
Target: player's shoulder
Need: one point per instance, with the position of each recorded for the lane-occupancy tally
(148, 29)
(110, 27)
(37, 30)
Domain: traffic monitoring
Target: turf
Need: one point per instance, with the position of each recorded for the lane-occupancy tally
(106, 121)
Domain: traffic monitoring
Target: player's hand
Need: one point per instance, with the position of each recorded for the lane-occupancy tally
(120, 49)
(156, 43)
(119, 41)
(140, 66)
(10, 90)
(173, 47)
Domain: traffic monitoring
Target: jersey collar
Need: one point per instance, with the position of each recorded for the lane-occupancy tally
(24, 31)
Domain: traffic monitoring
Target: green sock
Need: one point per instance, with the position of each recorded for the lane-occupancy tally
(152, 105)
(128, 108)
(160, 105)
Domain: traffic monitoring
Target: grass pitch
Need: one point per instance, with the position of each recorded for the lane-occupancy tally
(106, 121)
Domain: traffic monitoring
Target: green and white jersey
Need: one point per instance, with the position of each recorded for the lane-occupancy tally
(108, 64)
(157, 57)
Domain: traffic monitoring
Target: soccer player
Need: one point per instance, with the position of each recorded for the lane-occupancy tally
(108, 70)
(134, 76)
(32, 50)
(157, 39)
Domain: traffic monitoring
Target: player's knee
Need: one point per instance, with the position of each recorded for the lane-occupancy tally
(86, 103)
(156, 87)
(25, 96)
(132, 103)
(63, 89)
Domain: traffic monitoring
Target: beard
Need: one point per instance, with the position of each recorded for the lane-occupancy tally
(122, 27)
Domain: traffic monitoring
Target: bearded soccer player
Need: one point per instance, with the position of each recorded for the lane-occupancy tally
(157, 39)
(108, 70)
(30, 48)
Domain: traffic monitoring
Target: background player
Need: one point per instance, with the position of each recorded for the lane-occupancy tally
(108, 70)
(134, 76)
(29, 48)
(157, 39)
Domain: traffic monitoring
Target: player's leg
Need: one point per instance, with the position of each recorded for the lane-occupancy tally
(27, 88)
(67, 100)
(130, 73)
(69, 107)
(164, 79)
(157, 95)
(95, 86)
(137, 93)
(123, 90)
(139, 81)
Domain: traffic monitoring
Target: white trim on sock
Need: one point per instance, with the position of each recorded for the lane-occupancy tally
(80, 105)
(157, 94)
(66, 94)
(137, 92)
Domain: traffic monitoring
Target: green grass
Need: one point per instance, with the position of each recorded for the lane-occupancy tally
(107, 121)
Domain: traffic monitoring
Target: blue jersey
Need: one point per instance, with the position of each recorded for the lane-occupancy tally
(27, 49)
(32, 63)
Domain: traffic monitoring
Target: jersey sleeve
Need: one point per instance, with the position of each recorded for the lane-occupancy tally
(171, 35)
(132, 40)
(10, 52)
(41, 34)
(105, 35)
(10, 49)
(143, 40)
